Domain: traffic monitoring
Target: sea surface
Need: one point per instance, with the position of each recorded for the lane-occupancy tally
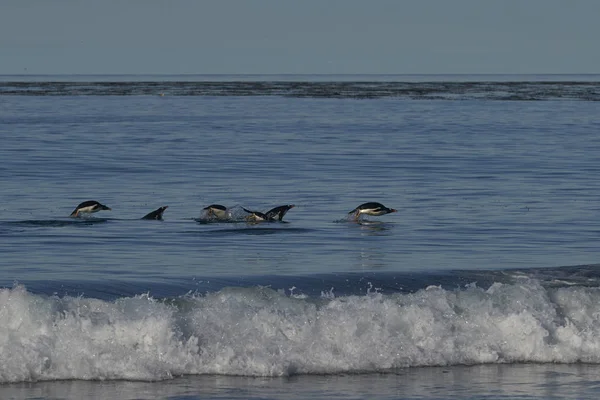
(484, 284)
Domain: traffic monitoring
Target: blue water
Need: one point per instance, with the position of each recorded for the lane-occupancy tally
(490, 261)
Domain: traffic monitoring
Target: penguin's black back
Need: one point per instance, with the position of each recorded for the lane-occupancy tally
(156, 214)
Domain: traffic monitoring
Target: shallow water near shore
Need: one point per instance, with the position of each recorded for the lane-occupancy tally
(523, 381)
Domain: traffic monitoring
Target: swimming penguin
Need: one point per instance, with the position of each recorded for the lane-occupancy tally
(277, 213)
(90, 206)
(256, 216)
(216, 210)
(156, 214)
(371, 208)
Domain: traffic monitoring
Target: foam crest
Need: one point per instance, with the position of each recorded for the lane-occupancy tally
(261, 332)
(78, 338)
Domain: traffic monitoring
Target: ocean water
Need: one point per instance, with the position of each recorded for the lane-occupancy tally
(484, 284)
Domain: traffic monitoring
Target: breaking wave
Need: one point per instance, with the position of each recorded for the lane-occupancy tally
(259, 331)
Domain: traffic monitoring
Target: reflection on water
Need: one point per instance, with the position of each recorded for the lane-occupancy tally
(375, 228)
(372, 259)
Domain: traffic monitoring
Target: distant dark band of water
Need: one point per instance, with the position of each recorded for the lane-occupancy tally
(487, 90)
(315, 285)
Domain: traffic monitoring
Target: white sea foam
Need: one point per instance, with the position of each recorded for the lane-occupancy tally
(262, 332)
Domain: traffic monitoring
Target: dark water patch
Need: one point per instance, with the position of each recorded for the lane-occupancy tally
(311, 285)
(314, 285)
(503, 91)
(577, 275)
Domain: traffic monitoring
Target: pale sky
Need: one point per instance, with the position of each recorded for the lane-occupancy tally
(299, 36)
